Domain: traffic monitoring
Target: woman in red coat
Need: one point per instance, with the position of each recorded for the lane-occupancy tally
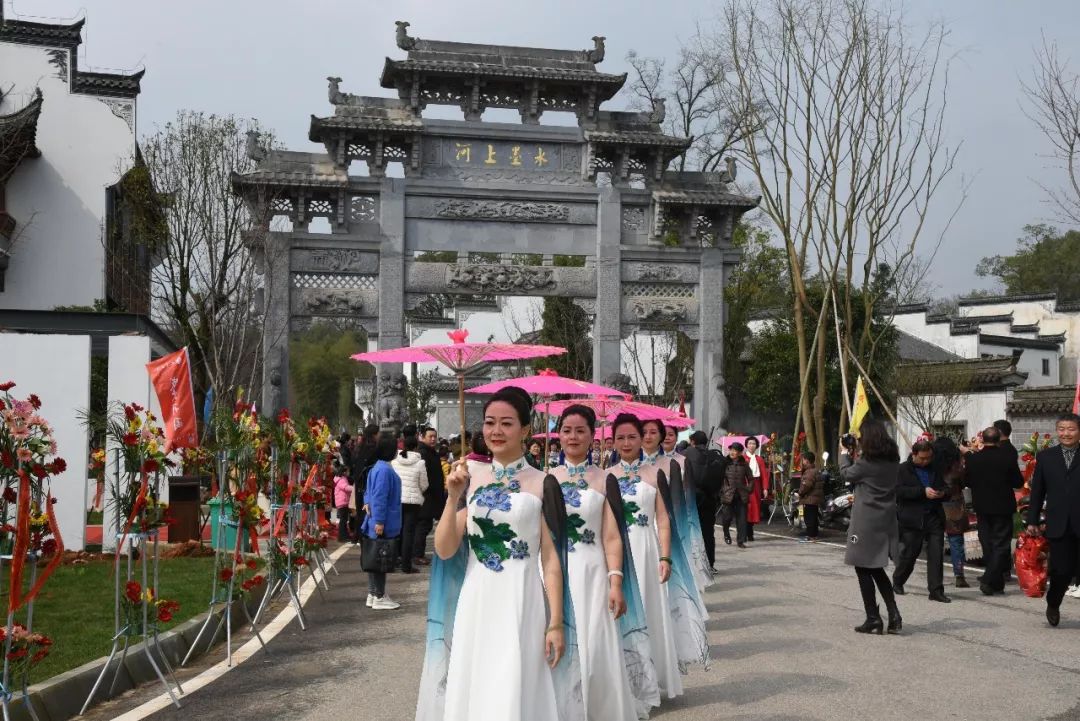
(760, 471)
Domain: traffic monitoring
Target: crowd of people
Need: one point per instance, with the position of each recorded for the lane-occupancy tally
(568, 576)
(902, 507)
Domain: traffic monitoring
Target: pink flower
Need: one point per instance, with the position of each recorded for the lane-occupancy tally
(25, 455)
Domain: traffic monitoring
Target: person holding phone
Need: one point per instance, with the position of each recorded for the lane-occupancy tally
(920, 491)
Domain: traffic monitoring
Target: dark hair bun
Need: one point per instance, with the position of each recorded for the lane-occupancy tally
(630, 418)
(515, 397)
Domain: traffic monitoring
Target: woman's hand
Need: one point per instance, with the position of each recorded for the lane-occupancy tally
(615, 600)
(554, 645)
(665, 571)
(379, 528)
(457, 481)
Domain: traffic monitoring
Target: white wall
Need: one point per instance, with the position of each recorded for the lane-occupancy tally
(976, 410)
(58, 200)
(57, 369)
(128, 383)
(1031, 362)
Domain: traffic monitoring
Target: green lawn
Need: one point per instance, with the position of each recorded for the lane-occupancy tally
(75, 608)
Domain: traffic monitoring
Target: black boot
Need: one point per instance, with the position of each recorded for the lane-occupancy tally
(872, 624)
(896, 623)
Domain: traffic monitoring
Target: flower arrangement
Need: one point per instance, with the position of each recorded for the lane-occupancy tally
(244, 574)
(142, 449)
(1034, 445)
(27, 649)
(96, 467)
(136, 601)
(197, 461)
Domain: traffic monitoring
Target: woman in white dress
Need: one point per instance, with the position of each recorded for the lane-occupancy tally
(650, 544)
(686, 518)
(497, 656)
(596, 577)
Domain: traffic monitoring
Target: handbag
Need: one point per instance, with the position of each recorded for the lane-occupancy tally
(378, 555)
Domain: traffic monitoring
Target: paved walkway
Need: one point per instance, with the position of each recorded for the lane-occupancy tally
(782, 647)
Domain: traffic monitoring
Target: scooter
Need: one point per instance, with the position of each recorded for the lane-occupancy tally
(837, 509)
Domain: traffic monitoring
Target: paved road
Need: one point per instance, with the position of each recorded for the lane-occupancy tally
(782, 648)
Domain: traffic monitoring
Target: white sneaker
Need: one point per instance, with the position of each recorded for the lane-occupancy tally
(385, 604)
(370, 600)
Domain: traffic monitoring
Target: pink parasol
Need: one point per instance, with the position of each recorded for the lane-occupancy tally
(678, 422)
(599, 435)
(548, 383)
(607, 408)
(459, 356)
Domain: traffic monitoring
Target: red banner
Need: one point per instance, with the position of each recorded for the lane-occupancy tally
(1076, 395)
(171, 377)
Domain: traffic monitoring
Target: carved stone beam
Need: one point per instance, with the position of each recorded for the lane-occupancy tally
(531, 110)
(376, 165)
(691, 225)
(342, 227)
(474, 111)
(414, 156)
(301, 207)
(621, 174)
(340, 152)
(658, 165)
(414, 93)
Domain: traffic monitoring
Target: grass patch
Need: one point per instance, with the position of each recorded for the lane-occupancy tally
(75, 608)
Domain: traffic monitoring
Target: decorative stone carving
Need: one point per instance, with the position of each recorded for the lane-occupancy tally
(595, 55)
(333, 302)
(254, 147)
(660, 311)
(658, 272)
(337, 259)
(633, 219)
(480, 175)
(659, 111)
(403, 40)
(391, 409)
(500, 278)
(336, 97)
(502, 210)
(571, 158)
(362, 209)
(123, 109)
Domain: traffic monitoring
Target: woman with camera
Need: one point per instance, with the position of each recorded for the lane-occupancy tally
(873, 537)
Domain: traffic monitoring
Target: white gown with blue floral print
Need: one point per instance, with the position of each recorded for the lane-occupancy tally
(639, 501)
(497, 669)
(605, 683)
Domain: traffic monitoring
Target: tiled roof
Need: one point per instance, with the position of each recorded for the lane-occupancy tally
(282, 167)
(915, 350)
(403, 68)
(637, 137)
(108, 84)
(995, 299)
(960, 376)
(704, 197)
(362, 122)
(1044, 400)
(1043, 343)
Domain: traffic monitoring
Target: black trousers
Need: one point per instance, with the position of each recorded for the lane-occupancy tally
(376, 584)
(736, 511)
(343, 515)
(868, 578)
(424, 523)
(995, 537)
(410, 517)
(1064, 555)
(707, 518)
(811, 516)
(911, 544)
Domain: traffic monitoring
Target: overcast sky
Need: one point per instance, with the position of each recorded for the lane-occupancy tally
(269, 60)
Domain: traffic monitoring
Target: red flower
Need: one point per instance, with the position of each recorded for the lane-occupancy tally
(48, 548)
(283, 415)
(130, 439)
(7, 460)
(164, 615)
(10, 495)
(226, 574)
(16, 654)
(252, 565)
(150, 466)
(39, 470)
(133, 591)
(300, 561)
(34, 401)
(59, 465)
(39, 655)
(7, 386)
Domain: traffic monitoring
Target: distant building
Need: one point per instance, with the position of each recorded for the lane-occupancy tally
(67, 149)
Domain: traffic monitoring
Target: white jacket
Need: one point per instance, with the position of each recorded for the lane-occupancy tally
(413, 474)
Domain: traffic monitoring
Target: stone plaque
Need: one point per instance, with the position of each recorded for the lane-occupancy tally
(502, 154)
(335, 260)
(515, 210)
(499, 278)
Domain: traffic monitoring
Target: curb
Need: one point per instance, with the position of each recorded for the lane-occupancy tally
(61, 697)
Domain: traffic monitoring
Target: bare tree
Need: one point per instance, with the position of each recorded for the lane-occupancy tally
(843, 109)
(1053, 96)
(207, 289)
(931, 395)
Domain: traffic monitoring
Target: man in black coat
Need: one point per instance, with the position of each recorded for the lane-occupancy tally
(434, 496)
(1004, 428)
(919, 492)
(992, 474)
(1055, 481)
(705, 471)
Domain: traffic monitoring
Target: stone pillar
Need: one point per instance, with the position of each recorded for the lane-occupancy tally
(277, 291)
(391, 382)
(710, 403)
(607, 328)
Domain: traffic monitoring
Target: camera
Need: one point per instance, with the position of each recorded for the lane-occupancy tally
(848, 441)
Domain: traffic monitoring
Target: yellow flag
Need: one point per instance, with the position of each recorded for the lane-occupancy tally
(859, 408)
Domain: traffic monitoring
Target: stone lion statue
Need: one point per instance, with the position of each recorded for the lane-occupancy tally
(390, 408)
